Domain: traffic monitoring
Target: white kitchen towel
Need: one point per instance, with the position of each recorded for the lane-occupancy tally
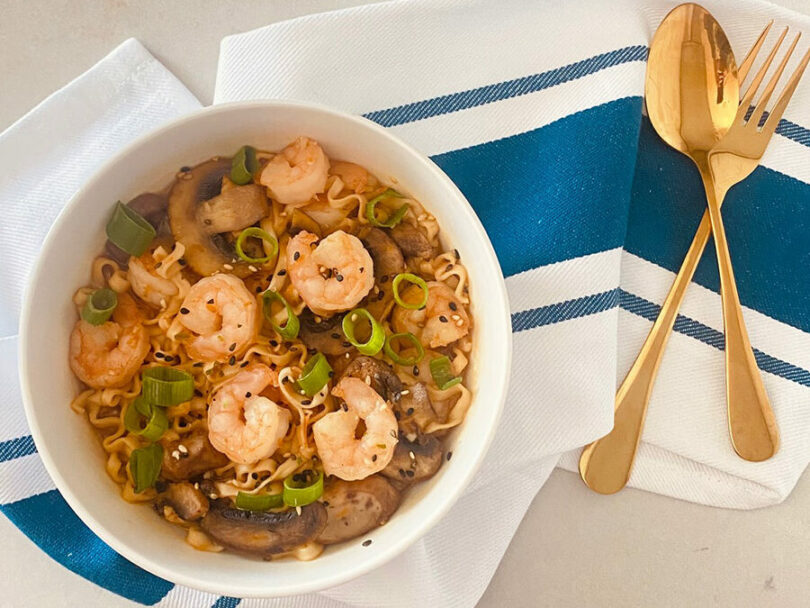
(535, 110)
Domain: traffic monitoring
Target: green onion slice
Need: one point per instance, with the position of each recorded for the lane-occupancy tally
(144, 464)
(303, 488)
(258, 233)
(244, 165)
(413, 280)
(290, 329)
(442, 373)
(258, 502)
(129, 231)
(315, 375)
(376, 339)
(394, 219)
(167, 385)
(99, 306)
(144, 419)
(396, 357)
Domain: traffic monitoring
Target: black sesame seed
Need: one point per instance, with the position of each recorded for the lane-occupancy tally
(380, 296)
(306, 402)
(159, 355)
(258, 288)
(198, 364)
(448, 268)
(458, 255)
(182, 262)
(338, 277)
(232, 360)
(410, 411)
(415, 371)
(285, 379)
(282, 272)
(325, 503)
(449, 455)
(331, 373)
(184, 311)
(402, 472)
(168, 358)
(345, 407)
(442, 318)
(244, 364)
(296, 255)
(409, 473)
(374, 458)
(335, 335)
(453, 306)
(384, 278)
(248, 394)
(232, 347)
(346, 344)
(361, 269)
(366, 543)
(211, 301)
(273, 343)
(185, 169)
(161, 485)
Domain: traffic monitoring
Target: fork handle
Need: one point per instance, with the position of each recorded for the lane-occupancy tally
(606, 463)
(752, 425)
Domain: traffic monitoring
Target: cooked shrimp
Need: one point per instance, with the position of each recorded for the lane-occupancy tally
(340, 452)
(335, 276)
(442, 321)
(110, 354)
(146, 284)
(353, 176)
(297, 173)
(242, 424)
(223, 314)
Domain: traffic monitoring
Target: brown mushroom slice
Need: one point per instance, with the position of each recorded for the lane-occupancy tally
(355, 507)
(150, 206)
(415, 460)
(412, 241)
(387, 256)
(206, 253)
(186, 500)
(233, 209)
(415, 405)
(188, 457)
(263, 533)
(324, 335)
(378, 374)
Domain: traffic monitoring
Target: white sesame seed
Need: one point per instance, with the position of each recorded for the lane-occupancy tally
(298, 510)
(411, 455)
(460, 322)
(252, 268)
(227, 267)
(455, 317)
(163, 302)
(405, 392)
(182, 448)
(176, 454)
(368, 380)
(354, 317)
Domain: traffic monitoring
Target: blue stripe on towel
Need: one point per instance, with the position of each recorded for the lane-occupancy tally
(490, 93)
(17, 448)
(767, 219)
(564, 311)
(48, 521)
(511, 181)
(226, 602)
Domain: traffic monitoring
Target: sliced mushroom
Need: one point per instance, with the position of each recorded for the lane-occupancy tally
(325, 335)
(412, 241)
(416, 407)
(380, 375)
(355, 507)
(263, 533)
(195, 457)
(387, 256)
(186, 500)
(152, 207)
(415, 460)
(197, 197)
(233, 209)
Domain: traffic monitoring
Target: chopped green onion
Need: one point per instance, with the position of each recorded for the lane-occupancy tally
(290, 329)
(258, 502)
(244, 165)
(144, 419)
(260, 234)
(442, 374)
(394, 219)
(167, 385)
(144, 464)
(99, 306)
(301, 489)
(129, 231)
(376, 339)
(414, 280)
(396, 357)
(315, 375)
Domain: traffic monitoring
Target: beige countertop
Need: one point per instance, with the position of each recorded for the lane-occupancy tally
(574, 548)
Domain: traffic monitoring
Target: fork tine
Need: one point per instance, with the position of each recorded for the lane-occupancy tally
(746, 64)
(752, 89)
(784, 99)
(766, 94)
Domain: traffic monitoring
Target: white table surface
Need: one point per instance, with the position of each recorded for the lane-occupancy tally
(574, 548)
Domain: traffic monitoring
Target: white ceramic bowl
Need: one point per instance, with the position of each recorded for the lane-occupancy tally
(64, 439)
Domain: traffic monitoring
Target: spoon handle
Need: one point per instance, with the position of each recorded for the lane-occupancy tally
(606, 463)
(752, 425)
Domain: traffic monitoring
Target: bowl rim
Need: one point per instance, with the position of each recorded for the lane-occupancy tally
(496, 293)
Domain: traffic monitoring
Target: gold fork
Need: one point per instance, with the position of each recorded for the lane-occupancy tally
(606, 463)
(751, 421)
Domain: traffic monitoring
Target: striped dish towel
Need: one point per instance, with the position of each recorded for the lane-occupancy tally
(535, 111)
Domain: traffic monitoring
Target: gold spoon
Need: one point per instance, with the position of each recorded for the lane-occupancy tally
(692, 94)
